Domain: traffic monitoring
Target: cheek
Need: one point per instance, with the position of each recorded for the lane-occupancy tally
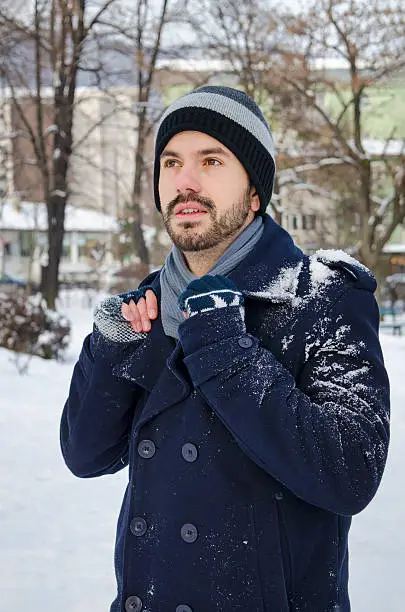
(166, 188)
(231, 192)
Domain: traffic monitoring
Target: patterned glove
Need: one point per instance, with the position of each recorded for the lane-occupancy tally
(209, 293)
(112, 334)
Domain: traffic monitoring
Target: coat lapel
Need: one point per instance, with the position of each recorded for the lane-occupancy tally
(157, 365)
(170, 388)
(275, 255)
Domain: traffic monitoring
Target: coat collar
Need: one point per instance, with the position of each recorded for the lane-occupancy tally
(256, 276)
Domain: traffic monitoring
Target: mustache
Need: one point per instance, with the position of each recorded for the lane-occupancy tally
(184, 198)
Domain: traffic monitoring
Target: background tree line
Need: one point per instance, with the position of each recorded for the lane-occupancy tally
(274, 54)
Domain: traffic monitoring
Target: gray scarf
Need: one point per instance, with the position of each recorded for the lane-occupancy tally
(175, 275)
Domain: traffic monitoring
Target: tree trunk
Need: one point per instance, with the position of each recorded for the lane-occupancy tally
(138, 238)
(56, 223)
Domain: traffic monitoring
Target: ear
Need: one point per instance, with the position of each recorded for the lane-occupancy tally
(254, 200)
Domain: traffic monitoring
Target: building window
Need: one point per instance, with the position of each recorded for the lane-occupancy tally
(308, 222)
(27, 243)
(66, 247)
(294, 222)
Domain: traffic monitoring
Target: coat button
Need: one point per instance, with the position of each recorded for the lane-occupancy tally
(279, 495)
(146, 449)
(183, 608)
(133, 604)
(138, 526)
(189, 452)
(189, 533)
(245, 342)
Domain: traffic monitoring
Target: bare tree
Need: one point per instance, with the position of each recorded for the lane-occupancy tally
(148, 43)
(244, 36)
(318, 115)
(245, 39)
(367, 42)
(155, 26)
(43, 50)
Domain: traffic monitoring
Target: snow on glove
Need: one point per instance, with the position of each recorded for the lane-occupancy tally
(111, 332)
(210, 293)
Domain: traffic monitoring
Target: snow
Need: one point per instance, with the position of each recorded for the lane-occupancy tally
(334, 255)
(377, 148)
(29, 216)
(394, 248)
(52, 129)
(59, 193)
(320, 274)
(283, 287)
(57, 531)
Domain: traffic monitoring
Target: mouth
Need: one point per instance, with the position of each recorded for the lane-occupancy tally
(190, 212)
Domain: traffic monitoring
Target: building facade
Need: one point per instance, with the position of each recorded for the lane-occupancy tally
(88, 240)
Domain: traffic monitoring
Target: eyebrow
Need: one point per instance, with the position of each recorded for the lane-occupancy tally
(201, 153)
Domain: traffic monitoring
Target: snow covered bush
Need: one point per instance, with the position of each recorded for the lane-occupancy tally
(29, 328)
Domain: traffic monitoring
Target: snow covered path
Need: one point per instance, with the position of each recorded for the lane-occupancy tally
(378, 533)
(57, 531)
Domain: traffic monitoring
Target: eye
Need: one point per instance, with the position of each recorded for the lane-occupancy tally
(170, 163)
(211, 161)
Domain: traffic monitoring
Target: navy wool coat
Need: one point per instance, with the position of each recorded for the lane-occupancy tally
(249, 449)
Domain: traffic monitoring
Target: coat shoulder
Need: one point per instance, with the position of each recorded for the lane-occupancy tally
(351, 270)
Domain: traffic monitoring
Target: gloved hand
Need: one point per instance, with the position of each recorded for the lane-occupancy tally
(210, 293)
(112, 333)
(215, 318)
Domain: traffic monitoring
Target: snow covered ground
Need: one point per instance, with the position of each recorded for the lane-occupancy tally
(57, 531)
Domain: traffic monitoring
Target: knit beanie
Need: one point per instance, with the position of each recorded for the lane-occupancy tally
(234, 119)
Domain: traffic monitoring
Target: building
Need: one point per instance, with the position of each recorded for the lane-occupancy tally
(103, 159)
(88, 239)
(104, 142)
(105, 133)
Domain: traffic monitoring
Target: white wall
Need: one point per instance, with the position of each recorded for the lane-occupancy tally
(102, 166)
(296, 205)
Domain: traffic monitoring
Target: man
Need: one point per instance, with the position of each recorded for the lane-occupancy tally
(243, 383)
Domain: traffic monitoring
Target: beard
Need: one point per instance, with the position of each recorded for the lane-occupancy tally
(222, 227)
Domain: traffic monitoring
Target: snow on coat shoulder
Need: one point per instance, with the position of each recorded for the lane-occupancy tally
(336, 259)
(324, 269)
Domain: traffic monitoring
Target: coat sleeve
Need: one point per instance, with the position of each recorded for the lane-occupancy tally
(323, 435)
(97, 418)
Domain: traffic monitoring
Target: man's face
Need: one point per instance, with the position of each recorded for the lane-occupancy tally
(204, 192)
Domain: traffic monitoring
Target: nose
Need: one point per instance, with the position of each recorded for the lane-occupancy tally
(187, 180)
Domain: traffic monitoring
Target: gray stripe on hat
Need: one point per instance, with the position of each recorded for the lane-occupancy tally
(229, 108)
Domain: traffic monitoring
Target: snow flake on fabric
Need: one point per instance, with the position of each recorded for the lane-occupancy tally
(151, 589)
(283, 287)
(320, 275)
(336, 255)
(337, 369)
(286, 341)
